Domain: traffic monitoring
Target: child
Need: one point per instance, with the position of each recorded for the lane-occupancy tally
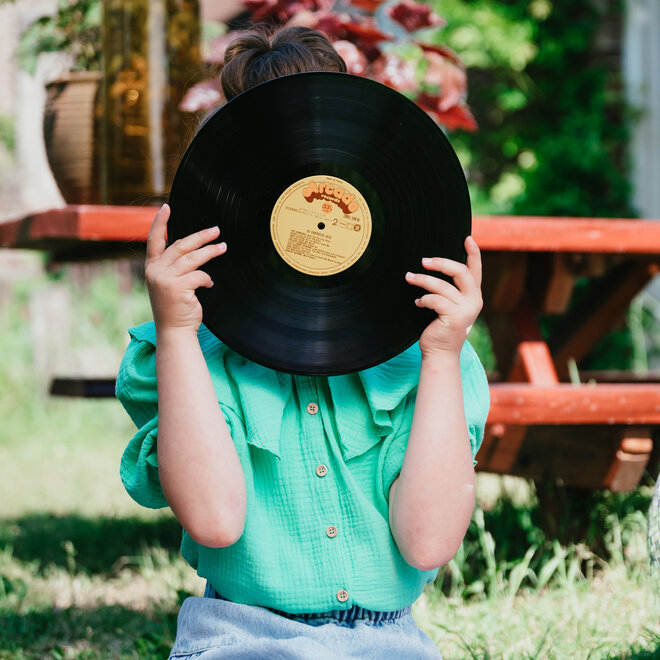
(316, 508)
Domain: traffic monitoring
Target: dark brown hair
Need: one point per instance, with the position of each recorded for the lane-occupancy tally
(256, 57)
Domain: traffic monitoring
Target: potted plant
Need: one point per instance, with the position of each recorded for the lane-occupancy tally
(69, 115)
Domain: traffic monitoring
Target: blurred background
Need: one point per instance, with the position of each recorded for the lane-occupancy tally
(553, 107)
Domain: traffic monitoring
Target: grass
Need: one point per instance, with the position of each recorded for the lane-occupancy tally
(86, 573)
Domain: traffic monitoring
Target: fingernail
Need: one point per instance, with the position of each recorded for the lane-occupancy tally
(417, 301)
(427, 260)
(223, 246)
(214, 229)
(409, 274)
(471, 239)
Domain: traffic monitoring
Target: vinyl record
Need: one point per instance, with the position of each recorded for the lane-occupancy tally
(327, 188)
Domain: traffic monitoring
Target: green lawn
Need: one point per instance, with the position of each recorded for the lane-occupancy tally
(86, 573)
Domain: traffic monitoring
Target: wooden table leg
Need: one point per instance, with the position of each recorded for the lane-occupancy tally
(608, 299)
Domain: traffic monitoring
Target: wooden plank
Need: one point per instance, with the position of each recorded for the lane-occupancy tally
(522, 404)
(575, 455)
(505, 283)
(630, 461)
(79, 223)
(537, 364)
(582, 327)
(627, 471)
(560, 285)
(533, 364)
(493, 233)
(540, 234)
(617, 376)
(83, 387)
(111, 223)
(504, 454)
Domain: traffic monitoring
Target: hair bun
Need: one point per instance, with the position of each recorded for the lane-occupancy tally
(253, 41)
(253, 58)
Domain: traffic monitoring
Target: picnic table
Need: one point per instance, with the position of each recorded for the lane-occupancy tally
(596, 434)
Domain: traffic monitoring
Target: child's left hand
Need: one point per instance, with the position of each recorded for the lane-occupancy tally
(457, 306)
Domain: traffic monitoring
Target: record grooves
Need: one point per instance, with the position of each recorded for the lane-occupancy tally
(327, 188)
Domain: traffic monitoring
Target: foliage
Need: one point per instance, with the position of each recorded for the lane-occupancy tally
(549, 104)
(75, 29)
(7, 135)
(429, 73)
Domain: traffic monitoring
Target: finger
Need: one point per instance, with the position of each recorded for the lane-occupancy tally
(156, 241)
(188, 244)
(193, 260)
(463, 277)
(435, 285)
(474, 259)
(196, 280)
(439, 304)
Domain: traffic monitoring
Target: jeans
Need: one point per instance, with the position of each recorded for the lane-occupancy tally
(213, 628)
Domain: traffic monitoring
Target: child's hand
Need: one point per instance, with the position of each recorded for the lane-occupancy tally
(457, 306)
(172, 275)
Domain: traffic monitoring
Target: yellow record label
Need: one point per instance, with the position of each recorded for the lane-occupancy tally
(320, 225)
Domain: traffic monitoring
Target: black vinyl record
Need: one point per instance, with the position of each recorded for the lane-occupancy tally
(327, 189)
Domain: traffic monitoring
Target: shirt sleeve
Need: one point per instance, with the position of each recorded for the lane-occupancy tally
(476, 401)
(136, 390)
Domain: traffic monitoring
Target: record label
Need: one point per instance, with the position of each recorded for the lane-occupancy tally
(321, 225)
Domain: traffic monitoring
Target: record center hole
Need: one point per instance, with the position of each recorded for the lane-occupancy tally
(321, 225)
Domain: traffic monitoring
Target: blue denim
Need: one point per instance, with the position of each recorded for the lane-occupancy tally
(213, 628)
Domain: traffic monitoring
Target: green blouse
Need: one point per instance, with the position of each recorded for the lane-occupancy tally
(319, 456)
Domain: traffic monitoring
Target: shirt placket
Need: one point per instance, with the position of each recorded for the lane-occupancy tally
(311, 402)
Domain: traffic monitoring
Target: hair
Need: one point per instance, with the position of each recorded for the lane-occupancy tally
(256, 57)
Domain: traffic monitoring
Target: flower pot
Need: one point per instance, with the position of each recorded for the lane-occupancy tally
(71, 137)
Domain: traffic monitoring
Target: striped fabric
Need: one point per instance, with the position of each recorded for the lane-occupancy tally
(316, 534)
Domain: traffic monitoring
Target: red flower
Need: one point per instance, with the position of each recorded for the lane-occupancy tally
(356, 61)
(395, 72)
(282, 10)
(445, 51)
(330, 23)
(366, 31)
(451, 81)
(202, 96)
(367, 5)
(458, 116)
(361, 31)
(414, 15)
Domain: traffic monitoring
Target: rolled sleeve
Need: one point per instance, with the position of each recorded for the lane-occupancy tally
(394, 446)
(137, 391)
(476, 402)
(139, 468)
(476, 397)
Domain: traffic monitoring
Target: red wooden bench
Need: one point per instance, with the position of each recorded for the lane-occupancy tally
(540, 426)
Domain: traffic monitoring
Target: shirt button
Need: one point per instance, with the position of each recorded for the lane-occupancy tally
(312, 408)
(331, 531)
(342, 595)
(321, 470)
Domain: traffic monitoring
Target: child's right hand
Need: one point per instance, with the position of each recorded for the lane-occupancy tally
(172, 274)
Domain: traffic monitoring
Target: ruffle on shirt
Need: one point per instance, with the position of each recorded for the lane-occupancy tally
(252, 392)
(259, 395)
(384, 387)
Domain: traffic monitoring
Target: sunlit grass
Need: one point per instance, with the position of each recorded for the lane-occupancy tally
(87, 573)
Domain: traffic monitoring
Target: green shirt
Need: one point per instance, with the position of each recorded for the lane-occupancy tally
(319, 456)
